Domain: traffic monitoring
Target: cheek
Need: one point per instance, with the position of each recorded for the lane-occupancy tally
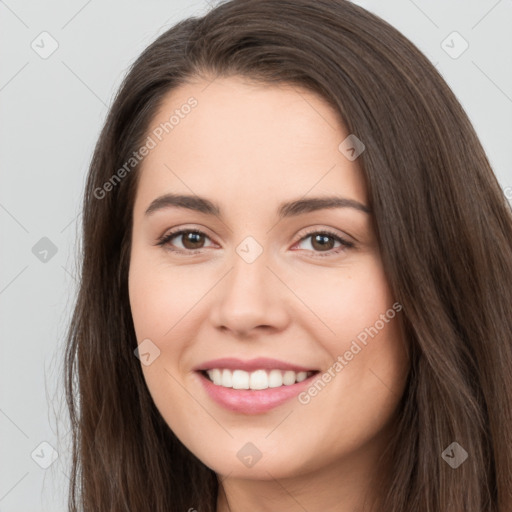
(363, 338)
(161, 296)
(160, 299)
(359, 391)
(344, 301)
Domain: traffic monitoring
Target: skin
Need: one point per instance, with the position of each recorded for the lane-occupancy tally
(248, 148)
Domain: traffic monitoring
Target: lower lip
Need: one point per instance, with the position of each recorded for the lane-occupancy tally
(252, 401)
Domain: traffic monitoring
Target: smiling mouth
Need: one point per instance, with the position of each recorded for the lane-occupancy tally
(255, 380)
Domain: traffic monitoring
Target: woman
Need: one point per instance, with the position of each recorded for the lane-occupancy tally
(222, 355)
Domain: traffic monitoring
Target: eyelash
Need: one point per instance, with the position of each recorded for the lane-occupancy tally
(345, 244)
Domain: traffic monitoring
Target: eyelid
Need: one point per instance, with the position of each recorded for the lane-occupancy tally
(324, 229)
(345, 244)
(186, 228)
(175, 232)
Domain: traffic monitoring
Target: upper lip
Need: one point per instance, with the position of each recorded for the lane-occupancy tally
(263, 363)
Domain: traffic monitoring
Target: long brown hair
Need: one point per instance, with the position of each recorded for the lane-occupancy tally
(442, 222)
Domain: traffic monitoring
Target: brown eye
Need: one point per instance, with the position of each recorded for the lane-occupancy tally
(323, 243)
(191, 240)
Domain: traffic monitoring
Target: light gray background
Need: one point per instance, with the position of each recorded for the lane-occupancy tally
(51, 112)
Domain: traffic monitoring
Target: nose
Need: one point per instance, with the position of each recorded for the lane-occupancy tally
(250, 299)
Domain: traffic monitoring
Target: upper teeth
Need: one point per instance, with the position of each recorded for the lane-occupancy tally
(259, 379)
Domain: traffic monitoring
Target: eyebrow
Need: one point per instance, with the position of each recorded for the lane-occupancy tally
(285, 210)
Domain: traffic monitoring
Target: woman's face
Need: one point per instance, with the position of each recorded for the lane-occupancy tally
(262, 280)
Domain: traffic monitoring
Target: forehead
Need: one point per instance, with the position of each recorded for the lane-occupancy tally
(246, 145)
